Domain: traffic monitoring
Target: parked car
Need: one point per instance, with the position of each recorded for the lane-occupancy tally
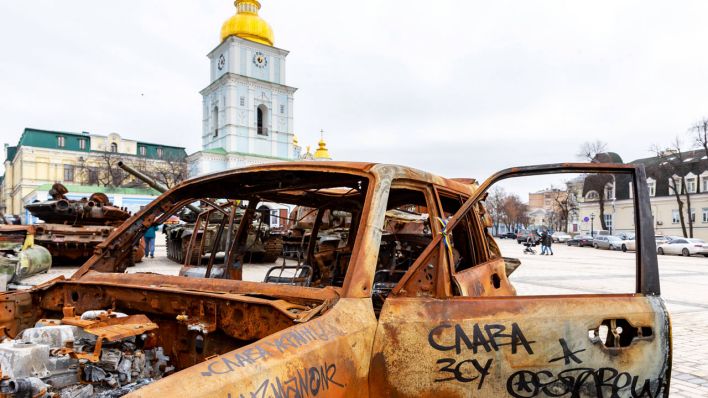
(580, 241)
(560, 237)
(684, 246)
(610, 242)
(523, 235)
(628, 245)
(661, 239)
(508, 235)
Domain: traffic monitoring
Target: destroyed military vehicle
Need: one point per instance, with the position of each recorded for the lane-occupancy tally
(200, 228)
(415, 303)
(71, 229)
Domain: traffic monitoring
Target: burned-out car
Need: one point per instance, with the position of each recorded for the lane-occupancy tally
(414, 301)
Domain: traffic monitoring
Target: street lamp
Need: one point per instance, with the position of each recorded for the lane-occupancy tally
(592, 222)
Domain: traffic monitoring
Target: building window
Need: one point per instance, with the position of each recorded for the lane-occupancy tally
(693, 216)
(705, 214)
(609, 191)
(159, 153)
(242, 101)
(60, 142)
(651, 183)
(143, 151)
(261, 120)
(114, 147)
(704, 182)
(82, 143)
(282, 108)
(608, 221)
(68, 173)
(592, 195)
(215, 119)
(674, 185)
(675, 217)
(691, 184)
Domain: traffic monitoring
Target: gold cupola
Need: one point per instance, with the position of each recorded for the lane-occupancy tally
(322, 153)
(246, 24)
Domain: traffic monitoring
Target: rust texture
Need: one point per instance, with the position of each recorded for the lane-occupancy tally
(410, 297)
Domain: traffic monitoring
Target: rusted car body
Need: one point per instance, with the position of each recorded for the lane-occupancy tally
(424, 310)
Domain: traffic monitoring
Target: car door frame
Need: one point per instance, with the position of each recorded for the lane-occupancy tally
(647, 288)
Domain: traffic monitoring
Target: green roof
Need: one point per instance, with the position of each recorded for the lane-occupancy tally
(50, 139)
(218, 151)
(11, 152)
(75, 188)
(73, 142)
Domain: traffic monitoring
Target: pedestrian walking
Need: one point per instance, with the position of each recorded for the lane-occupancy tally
(548, 242)
(149, 238)
(542, 238)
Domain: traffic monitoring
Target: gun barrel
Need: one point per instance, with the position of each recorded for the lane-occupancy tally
(151, 182)
(144, 177)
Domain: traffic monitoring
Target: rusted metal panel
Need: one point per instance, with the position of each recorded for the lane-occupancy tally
(326, 357)
(485, 280)
(234, 338)
(519, 347)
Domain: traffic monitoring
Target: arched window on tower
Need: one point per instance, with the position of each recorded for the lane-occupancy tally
(262, 120)
(114, 147)
(215, 118)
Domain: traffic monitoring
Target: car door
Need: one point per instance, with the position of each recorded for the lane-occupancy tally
(676, 245)
(486, 344)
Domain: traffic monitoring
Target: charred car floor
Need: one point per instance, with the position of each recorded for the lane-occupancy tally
(394, 289)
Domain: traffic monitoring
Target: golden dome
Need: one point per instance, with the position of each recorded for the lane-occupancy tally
(246, 24)
(322, 152)
(295, 141)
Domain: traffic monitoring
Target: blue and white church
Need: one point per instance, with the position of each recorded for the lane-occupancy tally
(248, 107)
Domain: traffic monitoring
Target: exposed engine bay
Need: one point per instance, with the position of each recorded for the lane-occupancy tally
(95, 354)
(111, 334)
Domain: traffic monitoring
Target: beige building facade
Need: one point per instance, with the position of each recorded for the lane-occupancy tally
(662, 177)
(44, 157)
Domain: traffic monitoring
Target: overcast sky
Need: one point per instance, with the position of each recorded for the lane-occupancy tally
(460, 88)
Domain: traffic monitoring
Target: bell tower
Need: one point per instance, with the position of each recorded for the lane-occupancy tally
(247, 108)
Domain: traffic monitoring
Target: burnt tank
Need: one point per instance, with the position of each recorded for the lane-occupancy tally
(73, 228)
(200, 227)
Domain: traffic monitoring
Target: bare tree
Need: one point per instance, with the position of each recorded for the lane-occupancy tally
(672, 163)
(168, 171)
(563, 206)
(515, 212)
(495, 206)
(596, 152)
(700, 134)
(103, 170)
(589, 150)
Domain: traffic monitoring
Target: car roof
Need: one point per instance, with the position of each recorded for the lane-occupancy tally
(462, 185)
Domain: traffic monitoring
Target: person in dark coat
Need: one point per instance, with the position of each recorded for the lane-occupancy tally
(548, 242)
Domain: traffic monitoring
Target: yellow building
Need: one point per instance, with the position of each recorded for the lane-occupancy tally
(44, 157)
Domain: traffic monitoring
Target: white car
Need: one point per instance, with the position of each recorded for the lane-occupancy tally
(560, 237)
(628, 245)
(684, 247)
